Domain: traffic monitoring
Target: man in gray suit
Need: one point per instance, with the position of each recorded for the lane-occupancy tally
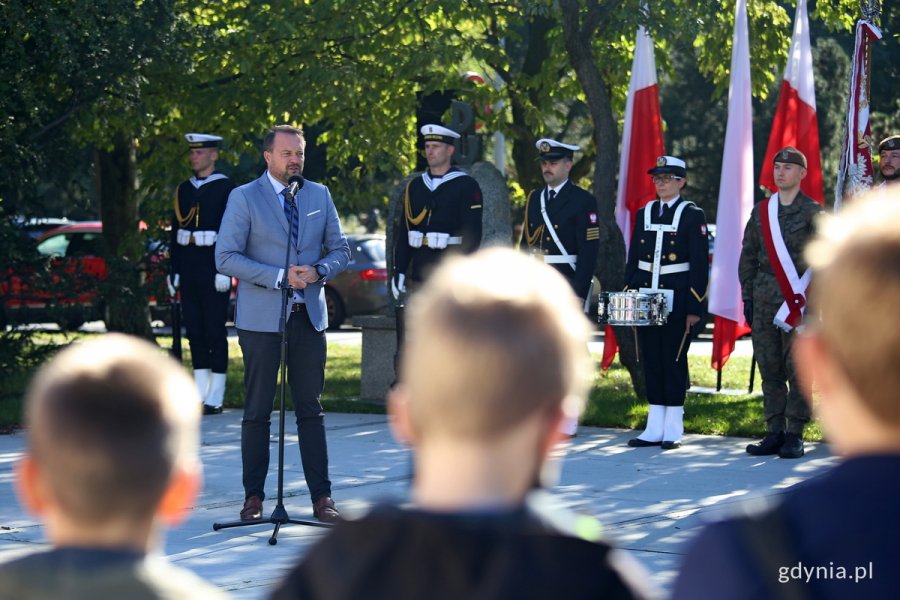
(252, 246)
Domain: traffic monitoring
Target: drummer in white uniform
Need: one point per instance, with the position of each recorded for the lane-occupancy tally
(669, 255)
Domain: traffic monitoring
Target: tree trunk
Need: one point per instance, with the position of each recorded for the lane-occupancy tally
(610, 269)
(125, 302)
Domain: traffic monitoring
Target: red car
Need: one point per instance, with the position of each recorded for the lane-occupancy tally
(69, 294)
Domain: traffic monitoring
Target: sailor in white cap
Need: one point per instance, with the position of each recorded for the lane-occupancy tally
(669, 254)
(199, 206)
(441, 214)
(561, 223)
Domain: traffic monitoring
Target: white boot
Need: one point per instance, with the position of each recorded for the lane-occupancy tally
(216, 391)
(568, 426)
(201, 378)
(654, 431)
(673, 426)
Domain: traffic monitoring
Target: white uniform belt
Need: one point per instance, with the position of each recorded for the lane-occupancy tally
(665, 270)
(552, 259)
(452, 241)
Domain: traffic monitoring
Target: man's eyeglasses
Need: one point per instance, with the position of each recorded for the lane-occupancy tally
(665, 178)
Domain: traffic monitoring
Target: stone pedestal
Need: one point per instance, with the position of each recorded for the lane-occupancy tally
(379, 344)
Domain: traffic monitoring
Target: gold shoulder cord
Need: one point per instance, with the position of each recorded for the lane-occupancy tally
(411, 221)
(530, 239)
(194, 213)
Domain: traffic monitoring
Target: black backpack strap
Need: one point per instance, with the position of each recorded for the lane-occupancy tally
(766, 536)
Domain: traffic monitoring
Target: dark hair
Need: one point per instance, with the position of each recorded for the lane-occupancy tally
(269, 140)
(109, 421)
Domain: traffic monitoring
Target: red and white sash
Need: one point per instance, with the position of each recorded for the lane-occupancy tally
(793, 287)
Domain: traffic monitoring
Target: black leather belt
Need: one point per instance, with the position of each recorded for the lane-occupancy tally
(298, 307)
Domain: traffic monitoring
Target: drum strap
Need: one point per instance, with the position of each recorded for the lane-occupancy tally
(661, 229)
(562, 249)
(793, 287)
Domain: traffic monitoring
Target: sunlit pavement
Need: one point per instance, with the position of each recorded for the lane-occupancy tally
(649, 501)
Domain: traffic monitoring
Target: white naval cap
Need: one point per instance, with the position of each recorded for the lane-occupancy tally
(553, 150)
(203, 140)
(669, 165)
(438, 133)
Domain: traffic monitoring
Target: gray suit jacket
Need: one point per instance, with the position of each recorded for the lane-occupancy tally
(252, 243)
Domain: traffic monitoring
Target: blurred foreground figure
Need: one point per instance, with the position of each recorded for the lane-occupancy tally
(495, 362)
(830, 536)
(111, 460)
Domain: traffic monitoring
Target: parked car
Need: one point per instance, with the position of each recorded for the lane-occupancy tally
(70, 293)
(362, 288)
(34, 227)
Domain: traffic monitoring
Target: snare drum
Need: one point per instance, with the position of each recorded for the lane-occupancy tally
(632, 308)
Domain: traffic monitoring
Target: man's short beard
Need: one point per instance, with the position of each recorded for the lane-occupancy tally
(895, 175)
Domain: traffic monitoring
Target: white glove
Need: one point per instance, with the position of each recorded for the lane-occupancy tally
(183, 237)
(414, 238)
(223, 283)
(172, 282)
(398, 285)
(204, 238)
(437, 241)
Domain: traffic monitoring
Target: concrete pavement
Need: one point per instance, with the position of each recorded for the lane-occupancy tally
(650, 502)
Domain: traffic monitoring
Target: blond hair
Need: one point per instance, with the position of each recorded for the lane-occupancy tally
(493, 338)
(856, 291)
(109, 420)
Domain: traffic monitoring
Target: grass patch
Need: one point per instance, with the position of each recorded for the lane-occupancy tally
(343, 373)
(611, 403)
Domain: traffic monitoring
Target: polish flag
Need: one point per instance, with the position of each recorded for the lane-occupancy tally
(735, 200)
(642, 144)
(795, 117)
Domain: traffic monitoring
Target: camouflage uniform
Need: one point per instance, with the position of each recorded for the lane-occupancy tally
(784, 406)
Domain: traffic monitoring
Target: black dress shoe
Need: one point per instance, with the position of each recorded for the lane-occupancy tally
(212, 410)
(792, 447)
(670, 445)
(639, 443)
(770, 444)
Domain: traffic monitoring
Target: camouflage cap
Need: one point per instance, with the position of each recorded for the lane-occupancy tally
(889, 143)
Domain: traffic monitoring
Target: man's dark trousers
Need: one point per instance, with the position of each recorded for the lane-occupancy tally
(306, 351)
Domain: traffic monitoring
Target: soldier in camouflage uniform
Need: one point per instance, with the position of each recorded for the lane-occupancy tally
(771, 309)
(889, 160)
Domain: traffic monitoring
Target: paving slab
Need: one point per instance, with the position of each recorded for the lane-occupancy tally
(650, 502)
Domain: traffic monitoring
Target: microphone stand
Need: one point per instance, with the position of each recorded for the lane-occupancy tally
(280, 515)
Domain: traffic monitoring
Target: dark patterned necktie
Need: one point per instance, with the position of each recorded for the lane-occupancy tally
(551, 194)
(295, 222)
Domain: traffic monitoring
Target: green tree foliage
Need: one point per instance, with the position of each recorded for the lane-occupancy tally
(128, 79)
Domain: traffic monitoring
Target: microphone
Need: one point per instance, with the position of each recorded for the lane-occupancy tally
(295, 184)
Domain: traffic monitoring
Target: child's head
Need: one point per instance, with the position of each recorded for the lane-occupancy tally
(112, 426)
(855, 293)
(493, 338)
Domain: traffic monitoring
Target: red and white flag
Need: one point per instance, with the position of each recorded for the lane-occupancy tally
(735, 199)
(642, 143)
(855, 174)
(795, 117)
(642, 139)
